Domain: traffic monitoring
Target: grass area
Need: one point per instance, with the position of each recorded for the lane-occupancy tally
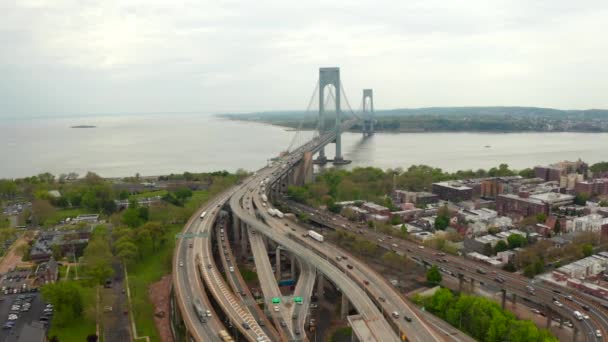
(145, 272)
(62, 214)
(84, 326)
(63, 272)
(149, 194)
(248, 275)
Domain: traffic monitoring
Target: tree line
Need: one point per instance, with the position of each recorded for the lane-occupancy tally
(481, 318)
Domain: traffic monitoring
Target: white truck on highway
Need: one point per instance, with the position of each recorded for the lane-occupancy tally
(578, 315)
(279, 213)
(264, 198)
(271, 212)
(315, 235)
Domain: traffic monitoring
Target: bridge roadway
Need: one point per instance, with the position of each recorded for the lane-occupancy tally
(304, 285)
(357, 296)
(543, 293)
(268, 283)
(187, 283)
(385, 296)
(238, 283)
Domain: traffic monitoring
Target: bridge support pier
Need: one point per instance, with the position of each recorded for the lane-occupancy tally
(504, 298)
(243, 250)
(345, 307)
(320, 286)
(460, 282)
(472, 287)
(277, 256)
(293, 266)
(575, 334)
(549, 317)
(561, 322)
(513, 299)
(236, 229)
(368, 112)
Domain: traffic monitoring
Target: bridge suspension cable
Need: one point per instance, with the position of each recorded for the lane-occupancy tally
(297, 139)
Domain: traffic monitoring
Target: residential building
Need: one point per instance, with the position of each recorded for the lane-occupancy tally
(452, 191)
(520, 205)
(418, 198)
(376, 209)
(592, 187)
(589, 223)
(554, 199)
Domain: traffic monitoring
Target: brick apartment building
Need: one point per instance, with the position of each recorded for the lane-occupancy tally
(597, 186)
(452, 191)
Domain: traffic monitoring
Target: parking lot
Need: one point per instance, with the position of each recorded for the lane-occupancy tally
(7, 302)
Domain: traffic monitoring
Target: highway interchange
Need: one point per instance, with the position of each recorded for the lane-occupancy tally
(198, 275)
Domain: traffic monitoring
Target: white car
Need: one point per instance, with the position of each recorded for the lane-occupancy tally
(276, 308)
(586, 316)
(181, 263)
(558, 304)
(598, 333)
(231, 269)
(12, 317)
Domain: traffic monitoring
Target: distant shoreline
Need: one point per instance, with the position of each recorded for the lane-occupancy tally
(290, 128)
(84, 126)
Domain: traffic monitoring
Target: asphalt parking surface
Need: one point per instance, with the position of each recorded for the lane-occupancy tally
(32, 315)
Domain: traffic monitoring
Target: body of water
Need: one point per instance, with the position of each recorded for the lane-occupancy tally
(163, 144)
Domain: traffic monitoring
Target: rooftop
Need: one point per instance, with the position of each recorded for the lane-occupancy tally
(453, 185)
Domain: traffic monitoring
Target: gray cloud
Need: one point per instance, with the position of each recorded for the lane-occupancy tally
(69, 56)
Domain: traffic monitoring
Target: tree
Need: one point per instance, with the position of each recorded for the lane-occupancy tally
(558, 227)
(183, 193)
(587, 249)
(66, 297)
(527, 173)
(98, 259)
(404, 230)
(441, 222)
(581, 198)
(57, 252)
(541, 218)
(433, 276)
(155, 231)
(603, 203)
(131, 218)
(516, 241)
(126, 251)
(501, 246)
(42, 210)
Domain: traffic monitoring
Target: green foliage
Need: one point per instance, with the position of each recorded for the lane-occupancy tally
(516, 240)
(527, 173)
(535, 268)
(433, 276)
(599, 167)
(541, 218)
(66, 297)
(603, 203)
(98, 257)
(483, 319)
(501, 246)
(587, 249)
(581, 198)
(502, 171)
(342, 334)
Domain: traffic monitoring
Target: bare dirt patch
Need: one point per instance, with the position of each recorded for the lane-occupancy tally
(159, 296)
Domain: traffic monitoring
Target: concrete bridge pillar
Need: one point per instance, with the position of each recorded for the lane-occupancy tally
(278, 263)
(549, 317)
(243, 239)
(472, 286)
(345, 307)
(561, 322)
(236, 228)
(320, 286)
(513, 299)
(504, 298)
(575, 334)
(293, 266)
(460, 282)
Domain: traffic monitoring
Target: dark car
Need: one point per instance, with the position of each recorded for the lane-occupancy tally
(409, 319)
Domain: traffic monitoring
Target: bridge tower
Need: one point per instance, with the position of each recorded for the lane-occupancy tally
(330, 76)
(368, 112)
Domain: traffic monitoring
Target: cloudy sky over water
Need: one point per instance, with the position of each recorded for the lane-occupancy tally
(61, 57)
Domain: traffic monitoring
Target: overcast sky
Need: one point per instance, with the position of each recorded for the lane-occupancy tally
(138, 56)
